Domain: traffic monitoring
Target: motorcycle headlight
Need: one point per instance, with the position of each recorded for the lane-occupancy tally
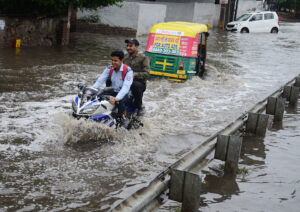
(90, 109)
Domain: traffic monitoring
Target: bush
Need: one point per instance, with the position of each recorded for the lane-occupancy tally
(92, 18)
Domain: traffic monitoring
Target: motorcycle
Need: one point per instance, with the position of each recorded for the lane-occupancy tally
(93, 104)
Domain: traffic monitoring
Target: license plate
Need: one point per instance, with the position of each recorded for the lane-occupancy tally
(181, 72)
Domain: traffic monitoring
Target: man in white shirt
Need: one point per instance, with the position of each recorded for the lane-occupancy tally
(121, 77)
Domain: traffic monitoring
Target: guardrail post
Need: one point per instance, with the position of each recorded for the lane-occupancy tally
(257, 123)
(291, 93)
(233, 155)
(297, 82)
(185, 187)
(287, 92)
(221, 147)
(191, 193)
(294, 95)
(228, 149)
(275, 106)
(176, 185)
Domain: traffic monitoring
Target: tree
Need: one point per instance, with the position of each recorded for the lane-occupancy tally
(35, 8)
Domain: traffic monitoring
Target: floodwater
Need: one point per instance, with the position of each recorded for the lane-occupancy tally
(49, 163)
(273, 180)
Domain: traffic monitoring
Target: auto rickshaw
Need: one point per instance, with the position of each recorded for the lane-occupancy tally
(177, 50)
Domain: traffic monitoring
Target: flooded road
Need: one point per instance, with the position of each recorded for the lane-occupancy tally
(48, 164)
(272, 181)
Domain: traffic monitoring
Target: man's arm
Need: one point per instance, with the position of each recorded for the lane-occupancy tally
(102, 79)
(145, 67)
(126, 84)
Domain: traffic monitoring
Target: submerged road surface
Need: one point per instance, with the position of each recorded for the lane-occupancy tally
(48, 163)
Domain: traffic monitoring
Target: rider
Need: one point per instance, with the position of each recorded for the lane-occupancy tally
(140, 66)
(121, 77)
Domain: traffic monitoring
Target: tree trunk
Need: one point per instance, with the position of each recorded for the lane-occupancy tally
(295, 8)
(65, 27)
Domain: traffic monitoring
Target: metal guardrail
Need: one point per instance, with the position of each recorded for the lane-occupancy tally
(149, 197)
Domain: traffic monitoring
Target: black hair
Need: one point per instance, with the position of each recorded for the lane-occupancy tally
(118, 54)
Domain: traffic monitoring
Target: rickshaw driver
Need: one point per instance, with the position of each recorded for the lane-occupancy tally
(140, 65)
(121, 82)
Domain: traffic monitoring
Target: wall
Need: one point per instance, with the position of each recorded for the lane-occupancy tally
(32, 32)
(82, 26)
(141, 15)
(246, 6)
(125, 16)
(157, 14)
(180, 12)
(134, 15)
(207, 13)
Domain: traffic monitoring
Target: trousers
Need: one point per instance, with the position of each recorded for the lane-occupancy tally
(121, 104)
(138, 88)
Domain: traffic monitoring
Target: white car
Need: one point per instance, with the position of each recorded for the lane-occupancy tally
(266, 21)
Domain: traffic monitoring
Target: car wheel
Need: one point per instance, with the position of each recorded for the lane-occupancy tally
(245, 30)
(274, 30)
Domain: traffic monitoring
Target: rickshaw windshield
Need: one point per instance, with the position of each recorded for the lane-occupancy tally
(175, 38)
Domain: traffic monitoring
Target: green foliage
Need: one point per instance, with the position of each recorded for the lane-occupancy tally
(92, 18)
(289, 5)
(243, 170)
(48, 7)
(222, 166)
(178, 209)
(205, 172)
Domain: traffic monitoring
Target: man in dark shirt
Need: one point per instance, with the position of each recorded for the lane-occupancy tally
(140, 66)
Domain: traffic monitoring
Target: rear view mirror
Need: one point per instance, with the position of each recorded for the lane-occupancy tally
(81, 86)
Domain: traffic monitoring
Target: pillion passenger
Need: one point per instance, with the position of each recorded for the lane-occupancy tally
(121, 77)
(140, 66)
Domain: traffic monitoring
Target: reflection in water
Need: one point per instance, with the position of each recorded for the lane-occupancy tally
(277, 125)
(225, 186)
(292, 109)
(253, 151)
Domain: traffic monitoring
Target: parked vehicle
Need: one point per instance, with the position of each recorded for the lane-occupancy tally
(177, 50)
(266, 21)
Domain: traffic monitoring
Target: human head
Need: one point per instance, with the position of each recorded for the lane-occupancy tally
(117, 58)
(132, 46)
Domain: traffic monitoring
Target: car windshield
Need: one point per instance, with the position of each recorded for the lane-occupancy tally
(244, 17)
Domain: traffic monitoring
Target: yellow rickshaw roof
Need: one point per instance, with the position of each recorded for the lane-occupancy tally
(189, 29)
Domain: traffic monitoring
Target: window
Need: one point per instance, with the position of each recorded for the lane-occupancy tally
(257, 17)
(268, 16)
(243, 17)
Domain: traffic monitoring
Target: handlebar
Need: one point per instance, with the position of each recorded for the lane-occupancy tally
(106, 97)
(102, 94)
(81, 86)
